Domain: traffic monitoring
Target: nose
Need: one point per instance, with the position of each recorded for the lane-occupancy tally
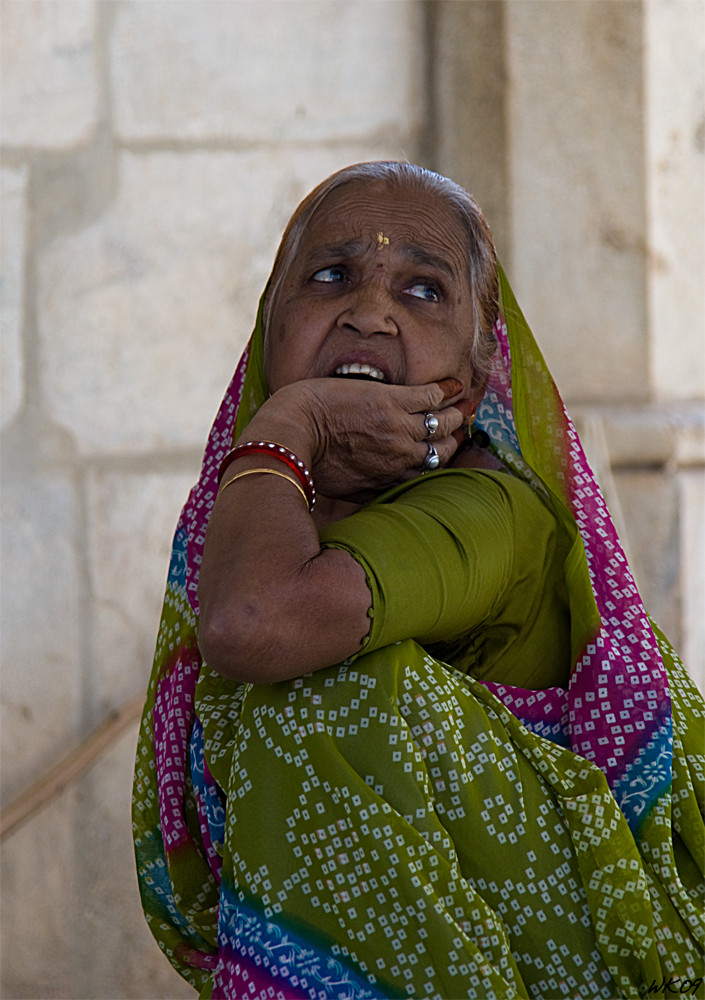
(370, 310)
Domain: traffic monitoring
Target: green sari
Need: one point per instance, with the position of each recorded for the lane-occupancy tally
(395, 827)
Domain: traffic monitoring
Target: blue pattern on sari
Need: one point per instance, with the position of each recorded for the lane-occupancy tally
(286, 956)
(206, 788)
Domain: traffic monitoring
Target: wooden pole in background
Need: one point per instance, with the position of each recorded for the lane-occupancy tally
(71, 768)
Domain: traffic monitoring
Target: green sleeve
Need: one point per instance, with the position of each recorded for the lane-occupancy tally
(438, 553)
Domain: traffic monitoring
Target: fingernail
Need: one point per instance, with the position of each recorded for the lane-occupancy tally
(451, 387)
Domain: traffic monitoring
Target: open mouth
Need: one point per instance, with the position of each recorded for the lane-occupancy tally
(360, 371)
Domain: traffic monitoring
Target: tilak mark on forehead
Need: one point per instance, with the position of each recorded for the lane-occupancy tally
(382, 241)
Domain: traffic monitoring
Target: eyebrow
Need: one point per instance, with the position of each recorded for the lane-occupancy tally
(420, 255)
(350, 248)
(334, 251)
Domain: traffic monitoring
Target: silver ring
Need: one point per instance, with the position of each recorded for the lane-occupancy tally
(432, 460)
(431, 424)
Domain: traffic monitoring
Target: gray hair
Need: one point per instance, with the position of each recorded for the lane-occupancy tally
(481, 253)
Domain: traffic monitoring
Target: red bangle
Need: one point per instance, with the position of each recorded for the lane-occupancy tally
(282, 454)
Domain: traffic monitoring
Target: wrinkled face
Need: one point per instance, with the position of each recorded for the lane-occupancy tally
(380, 288)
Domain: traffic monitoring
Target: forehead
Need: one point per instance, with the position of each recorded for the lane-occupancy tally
(360, 210)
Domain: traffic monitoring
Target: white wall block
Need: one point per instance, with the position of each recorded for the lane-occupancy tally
(13, 195)
(675, 82)
(72, 867)
(41, 880)
(131, 520)
(143, 315)
(578, 191)
(47, 72)
(267, 70)
(104, 844)
(691, 483)
(41, 651)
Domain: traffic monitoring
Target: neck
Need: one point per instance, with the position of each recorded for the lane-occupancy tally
(476, 458)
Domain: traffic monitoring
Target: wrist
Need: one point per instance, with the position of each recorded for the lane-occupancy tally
(271, 453)
(286, 419)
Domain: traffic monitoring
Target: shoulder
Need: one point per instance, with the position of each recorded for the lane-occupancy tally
(472, 502)
(468, 507)
(467, 487)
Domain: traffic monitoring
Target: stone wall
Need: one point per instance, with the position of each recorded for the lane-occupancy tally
(152, 152)
(586, 144)
(152, 155)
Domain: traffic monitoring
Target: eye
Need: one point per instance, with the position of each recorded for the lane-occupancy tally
(329, 275)
(422, 290)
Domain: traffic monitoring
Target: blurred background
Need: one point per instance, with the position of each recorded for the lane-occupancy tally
(152, 153)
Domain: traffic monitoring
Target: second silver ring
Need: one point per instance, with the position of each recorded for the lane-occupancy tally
(432, 460)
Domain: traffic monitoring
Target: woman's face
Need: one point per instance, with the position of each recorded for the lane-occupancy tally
(381, 281)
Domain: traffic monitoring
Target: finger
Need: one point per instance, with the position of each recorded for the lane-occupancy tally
(439, 392)
(446, 421)
(434, 425)
(466, 406)
(462, 435)
(450, 387)
(422, 398)
(430, 425)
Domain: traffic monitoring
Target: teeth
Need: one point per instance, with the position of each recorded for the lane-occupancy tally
(357, 369)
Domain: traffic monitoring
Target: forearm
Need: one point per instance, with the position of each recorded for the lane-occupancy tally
(272, 604)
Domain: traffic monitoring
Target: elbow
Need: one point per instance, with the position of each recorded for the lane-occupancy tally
(239, 644)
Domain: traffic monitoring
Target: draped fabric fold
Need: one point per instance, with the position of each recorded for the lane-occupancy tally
(392, 827)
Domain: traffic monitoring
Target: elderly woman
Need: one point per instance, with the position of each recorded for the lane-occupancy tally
(410, 732)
